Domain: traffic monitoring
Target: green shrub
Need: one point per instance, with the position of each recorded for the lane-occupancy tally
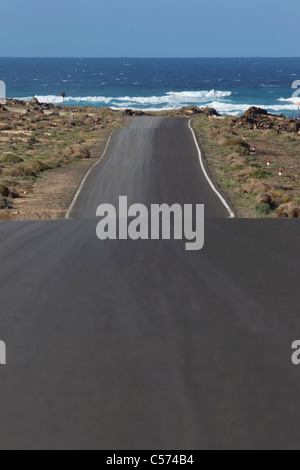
(263, 210)
(20, 170)
(237, 145)
(11, 158)
(37, 166)
(23, 147)
(260, 174)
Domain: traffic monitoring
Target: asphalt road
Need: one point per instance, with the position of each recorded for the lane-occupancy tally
(153, 161)
(140, 344)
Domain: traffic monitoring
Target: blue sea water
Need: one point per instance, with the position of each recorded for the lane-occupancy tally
(229, 85)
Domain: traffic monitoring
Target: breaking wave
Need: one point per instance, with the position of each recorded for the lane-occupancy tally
(294, 100)
(172, 99)
(235, 109)
(222, 101)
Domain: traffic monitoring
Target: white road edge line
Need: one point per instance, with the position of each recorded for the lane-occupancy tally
(231, 213)
(68, 214)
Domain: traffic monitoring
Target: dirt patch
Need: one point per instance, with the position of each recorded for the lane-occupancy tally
(52, 192)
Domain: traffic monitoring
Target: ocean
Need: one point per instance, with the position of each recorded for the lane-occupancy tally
(230, 86)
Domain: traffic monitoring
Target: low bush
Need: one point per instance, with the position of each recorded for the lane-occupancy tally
(38, 166)
(76, 152)
(19, 171)
(5, 203)
(237, 145)
(11, 158)
(260, 174)
(288, 210)
(263, 209)
(4, 191)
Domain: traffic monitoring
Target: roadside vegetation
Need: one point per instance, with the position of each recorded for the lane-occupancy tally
(260, 183)
(35, 138)
(254, 159)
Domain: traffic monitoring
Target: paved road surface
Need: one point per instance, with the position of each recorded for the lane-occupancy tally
(142, 345)
(153, 161)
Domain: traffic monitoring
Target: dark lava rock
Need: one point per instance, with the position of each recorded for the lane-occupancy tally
(257, 118)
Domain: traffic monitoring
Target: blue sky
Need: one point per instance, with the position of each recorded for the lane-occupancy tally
(149, 28)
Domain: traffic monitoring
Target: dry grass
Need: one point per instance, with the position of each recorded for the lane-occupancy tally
(33, 143)
(235, 144)
(76, 152)
(254, 189)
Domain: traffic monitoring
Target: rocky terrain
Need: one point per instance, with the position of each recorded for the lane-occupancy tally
(260, 119)
(187, 111)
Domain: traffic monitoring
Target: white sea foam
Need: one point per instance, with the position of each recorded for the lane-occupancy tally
(233, 109)
(58, 99)
(276, 108)
(294, 99)
(192, 95)
(220, 100)
(171, 98)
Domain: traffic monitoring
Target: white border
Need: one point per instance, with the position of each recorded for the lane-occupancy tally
(68, 214)
(231, 213)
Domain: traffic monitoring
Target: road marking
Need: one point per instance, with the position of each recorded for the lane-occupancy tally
(68, 214)
(231, 213)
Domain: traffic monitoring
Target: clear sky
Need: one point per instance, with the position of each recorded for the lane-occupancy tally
(149, 28)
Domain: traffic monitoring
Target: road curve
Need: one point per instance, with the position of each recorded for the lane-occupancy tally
(141, 344)
(153, 161)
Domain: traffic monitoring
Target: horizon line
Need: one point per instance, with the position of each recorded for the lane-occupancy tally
(150, 57)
